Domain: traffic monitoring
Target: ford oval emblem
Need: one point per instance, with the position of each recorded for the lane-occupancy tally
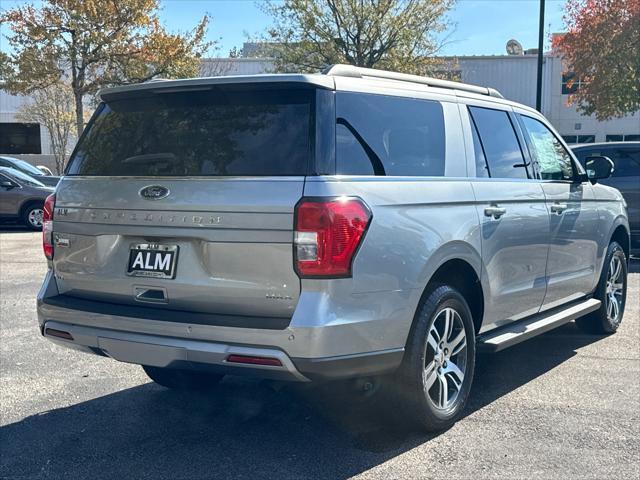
(154, 192)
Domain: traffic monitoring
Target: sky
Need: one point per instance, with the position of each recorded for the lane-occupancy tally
(480, 27)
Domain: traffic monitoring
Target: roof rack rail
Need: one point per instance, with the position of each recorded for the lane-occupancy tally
(340, 70)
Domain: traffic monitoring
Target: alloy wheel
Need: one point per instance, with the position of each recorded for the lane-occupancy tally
(445, 359)
(35, 217)
(614, 290)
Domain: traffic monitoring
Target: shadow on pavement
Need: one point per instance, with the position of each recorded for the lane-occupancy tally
(10, 227)
(246, 428)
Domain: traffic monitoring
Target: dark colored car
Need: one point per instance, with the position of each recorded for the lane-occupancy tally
(22, 197)
(625, 177)
(26, 167)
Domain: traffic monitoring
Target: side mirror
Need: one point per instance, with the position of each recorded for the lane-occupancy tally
(8, 184)
(598, 168)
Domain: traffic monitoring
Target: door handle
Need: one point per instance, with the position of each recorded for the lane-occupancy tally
(558, 207)
(494, 211)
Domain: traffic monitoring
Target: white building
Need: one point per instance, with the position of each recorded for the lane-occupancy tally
(515, 77)
(512, 75)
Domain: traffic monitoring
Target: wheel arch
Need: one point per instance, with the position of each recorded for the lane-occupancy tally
(458, 265)
(28, 203)
(621, 235)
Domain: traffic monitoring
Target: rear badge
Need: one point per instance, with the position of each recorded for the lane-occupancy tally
(154, 192)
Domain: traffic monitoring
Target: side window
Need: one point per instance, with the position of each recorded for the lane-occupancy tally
(627, 162)
(351, 157)
(399, 136)
(553, 159)
(482, 169)
(500, 144)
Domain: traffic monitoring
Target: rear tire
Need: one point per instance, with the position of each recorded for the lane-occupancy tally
(612, 293)
(439, 362)
(177, 379)
(32, 216)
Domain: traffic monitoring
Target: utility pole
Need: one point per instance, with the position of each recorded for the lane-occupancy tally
(540, 46)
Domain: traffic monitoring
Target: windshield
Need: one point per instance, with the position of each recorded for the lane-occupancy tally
(24, 166)
(21, 177)
(200, 133)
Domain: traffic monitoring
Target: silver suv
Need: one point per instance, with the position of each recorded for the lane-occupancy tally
(350, 224)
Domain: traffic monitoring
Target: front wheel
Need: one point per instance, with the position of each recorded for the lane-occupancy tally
(612, 293)
(177, 379)
(439, 363)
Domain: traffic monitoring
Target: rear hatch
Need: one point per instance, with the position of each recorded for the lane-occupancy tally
(183, 199)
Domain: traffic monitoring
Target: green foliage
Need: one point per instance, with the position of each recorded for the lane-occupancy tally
(93, 44)
(602, 48)
(398, 35)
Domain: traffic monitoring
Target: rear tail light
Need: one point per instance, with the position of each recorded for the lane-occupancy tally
(47, 226)
(328, 233)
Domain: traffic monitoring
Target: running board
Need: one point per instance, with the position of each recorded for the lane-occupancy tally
(509, 335)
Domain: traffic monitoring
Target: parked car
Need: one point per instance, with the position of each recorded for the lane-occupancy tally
(625, 176)
(22, 197)
(46, 170)
(352, 224)
(26, 167)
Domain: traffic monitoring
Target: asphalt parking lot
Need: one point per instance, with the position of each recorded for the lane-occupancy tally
(563, 405)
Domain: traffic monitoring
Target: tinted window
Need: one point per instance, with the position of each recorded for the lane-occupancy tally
(499, 143)
(23, 178)
(482, 170)
(20, 165)
(210, 133)
(19, 138)
(586, 138)
(399, 136)
(554, 162)
(351, 157)
(626, 160)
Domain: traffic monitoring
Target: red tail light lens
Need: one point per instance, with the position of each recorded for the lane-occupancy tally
(328, 234)
(47, 226)
(251, 360)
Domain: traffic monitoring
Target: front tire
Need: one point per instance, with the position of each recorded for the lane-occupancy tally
(612, 293)
(177, 379)
(439, 362)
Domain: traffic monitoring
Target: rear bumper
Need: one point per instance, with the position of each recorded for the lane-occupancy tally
(170, 352)
(315, 351)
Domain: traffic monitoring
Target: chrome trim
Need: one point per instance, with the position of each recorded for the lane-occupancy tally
(149, 192)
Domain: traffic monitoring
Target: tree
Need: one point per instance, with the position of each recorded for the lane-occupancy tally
(96, 43)
(397, 35)
(602, 49)
(53, 107)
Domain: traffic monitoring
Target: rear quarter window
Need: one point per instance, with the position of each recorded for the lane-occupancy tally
(200, 133)
(386, 135)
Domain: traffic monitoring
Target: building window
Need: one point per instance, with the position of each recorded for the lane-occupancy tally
(570, 138)
(586, 138)
(571, 83)
(16, 138)
(632, 138)
(613, 138)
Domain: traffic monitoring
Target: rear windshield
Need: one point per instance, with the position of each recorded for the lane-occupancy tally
(200, 133)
